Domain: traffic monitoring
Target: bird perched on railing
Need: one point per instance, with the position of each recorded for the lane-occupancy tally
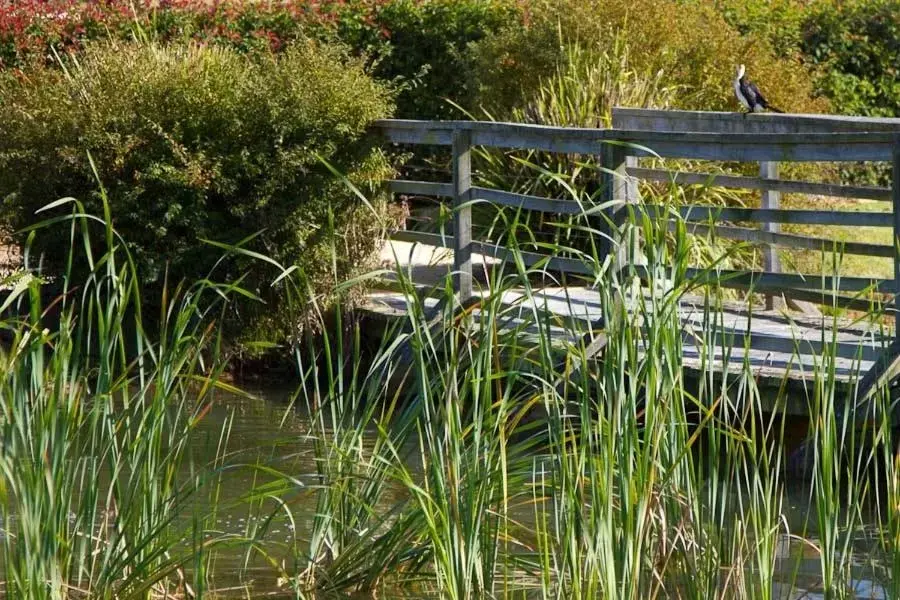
(749, 95)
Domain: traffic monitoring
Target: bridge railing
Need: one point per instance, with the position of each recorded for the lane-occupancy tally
(768, 183)
(764, 139)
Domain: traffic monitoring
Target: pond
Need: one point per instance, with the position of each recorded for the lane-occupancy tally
(269, 430)
(267, 433)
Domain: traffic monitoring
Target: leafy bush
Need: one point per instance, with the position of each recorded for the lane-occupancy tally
(858, 45)
(778, 21)
(690, 44)
(195, 143)
(423, 44)
(420, 44)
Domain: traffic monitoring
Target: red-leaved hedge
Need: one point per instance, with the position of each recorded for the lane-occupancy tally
(419, 45)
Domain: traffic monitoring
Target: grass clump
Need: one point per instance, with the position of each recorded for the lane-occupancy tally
(200, 142)
(690, 45)
(98, 424)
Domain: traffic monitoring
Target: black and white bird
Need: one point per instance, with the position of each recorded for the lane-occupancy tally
(749, 95)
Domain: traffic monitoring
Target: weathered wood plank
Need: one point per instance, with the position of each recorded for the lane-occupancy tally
(731, 122)
(760, 215)
(886, 367)
(429, 133)
(613, 195)
(895, 184)
(529, 259)
(770, 200)
(739, 147)
(788, 240)
(437, 240)
(420, 188)
(826, 298)
(462, 214)
(785, 343)
(500, 197)
(760, 183)
(526, 202)
(813, 288)
(762, 282)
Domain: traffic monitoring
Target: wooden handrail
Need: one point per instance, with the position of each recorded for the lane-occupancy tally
(748, 147)
(766, 140)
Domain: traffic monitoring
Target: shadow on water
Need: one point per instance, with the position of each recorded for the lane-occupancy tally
(270, 431)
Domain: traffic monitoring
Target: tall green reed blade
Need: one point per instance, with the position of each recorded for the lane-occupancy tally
(97, 418)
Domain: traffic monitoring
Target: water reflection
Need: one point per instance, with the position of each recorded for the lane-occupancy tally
(267, 431)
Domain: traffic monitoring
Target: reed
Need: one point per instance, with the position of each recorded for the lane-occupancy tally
(97, 420)
(462, 452)
(527, 467)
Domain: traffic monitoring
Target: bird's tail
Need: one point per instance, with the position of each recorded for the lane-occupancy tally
(775, 109)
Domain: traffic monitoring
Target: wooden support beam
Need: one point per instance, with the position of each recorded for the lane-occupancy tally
(614, 196)
(527, 202)
(770, 200)
(716, 214)
(529, 259)
(420, 188)
(850, 146)
(788, 240)
(895, 186)
(787, 186)
(651, 119)
(462, 214)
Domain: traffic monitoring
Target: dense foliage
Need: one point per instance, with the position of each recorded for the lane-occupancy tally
(857, 44)
(851, 48)
(195, 143)
(419, 45)
(688, 47)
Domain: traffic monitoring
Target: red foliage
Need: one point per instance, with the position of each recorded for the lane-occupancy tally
(29, 28)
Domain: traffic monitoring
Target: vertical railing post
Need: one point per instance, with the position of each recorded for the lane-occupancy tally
(462, 214)
(895, 197)
(770, 200)
(614, 185)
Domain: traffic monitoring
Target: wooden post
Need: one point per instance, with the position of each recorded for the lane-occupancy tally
(770, 200)
(462, 214)
(632, 196)
(895, 197)
(614, 188)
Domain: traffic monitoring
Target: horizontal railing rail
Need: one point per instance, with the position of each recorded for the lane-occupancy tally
(831, 190)
(768, 140)
(729, 122)
(744, 147)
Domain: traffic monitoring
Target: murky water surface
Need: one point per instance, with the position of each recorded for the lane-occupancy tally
(267, 431)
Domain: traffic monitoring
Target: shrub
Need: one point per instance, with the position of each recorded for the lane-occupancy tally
(858, 45)
(426, 49)
(778, 21)
(690, 44)
(196, 143)
(420, 44)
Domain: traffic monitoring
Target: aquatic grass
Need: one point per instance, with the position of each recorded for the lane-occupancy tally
(477, 450)
(621, 505)
(97, 418)
(625, 482)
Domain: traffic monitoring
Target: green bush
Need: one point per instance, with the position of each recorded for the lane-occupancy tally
(858, 45)
(689, 44)
(425, 49)
(419, 44)
(195, 143)
(852, 49)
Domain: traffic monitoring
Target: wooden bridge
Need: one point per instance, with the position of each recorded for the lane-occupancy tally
(780, 346)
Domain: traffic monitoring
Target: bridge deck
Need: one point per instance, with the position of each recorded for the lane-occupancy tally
(778, 346)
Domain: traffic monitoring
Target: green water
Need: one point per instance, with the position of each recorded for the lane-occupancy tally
(269, 431)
